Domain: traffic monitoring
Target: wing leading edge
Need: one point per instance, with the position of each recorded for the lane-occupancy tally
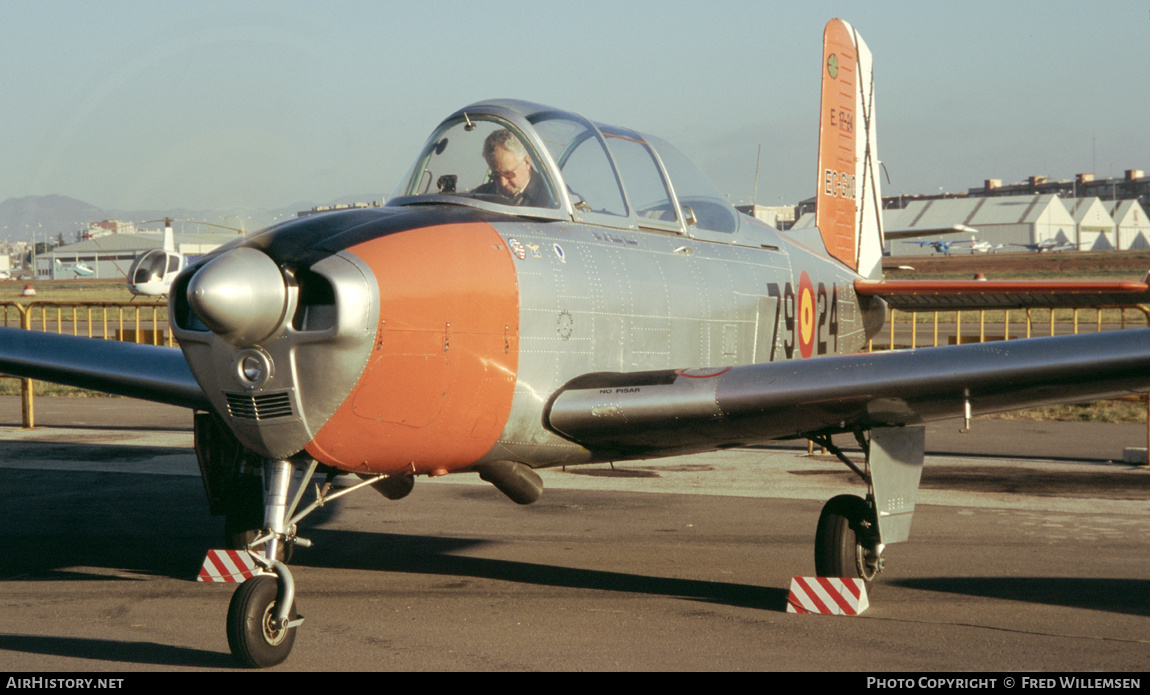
(650, 414)
(148, 372)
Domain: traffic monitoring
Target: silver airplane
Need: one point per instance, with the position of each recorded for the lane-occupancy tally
(544, 290)
(79, 269)
(942, 246)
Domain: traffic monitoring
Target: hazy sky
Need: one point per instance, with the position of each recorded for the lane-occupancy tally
(211, 104)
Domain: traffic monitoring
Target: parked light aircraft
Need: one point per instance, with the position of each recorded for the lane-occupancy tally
(1050, 245)
(153, 272)
(624, 310)
(80, 269)
(983, 246)
(942, 246)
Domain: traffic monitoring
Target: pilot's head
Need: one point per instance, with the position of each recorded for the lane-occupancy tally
(509, 162)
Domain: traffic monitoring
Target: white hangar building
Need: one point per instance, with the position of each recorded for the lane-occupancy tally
(1096, 230)
(1130, 223)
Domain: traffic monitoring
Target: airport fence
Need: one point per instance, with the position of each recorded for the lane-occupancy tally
(135, 322)
(914, 329)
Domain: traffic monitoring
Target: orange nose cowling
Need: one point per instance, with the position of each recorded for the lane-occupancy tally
(437, 390)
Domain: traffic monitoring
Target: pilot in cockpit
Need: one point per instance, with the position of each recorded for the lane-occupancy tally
(513, 180)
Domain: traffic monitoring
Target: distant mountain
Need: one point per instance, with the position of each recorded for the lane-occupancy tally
(44, 216)
(48, 216)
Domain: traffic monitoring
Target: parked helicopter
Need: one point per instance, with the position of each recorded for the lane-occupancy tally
(153, 272)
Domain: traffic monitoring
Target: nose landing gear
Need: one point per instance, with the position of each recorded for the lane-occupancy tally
(262, 617)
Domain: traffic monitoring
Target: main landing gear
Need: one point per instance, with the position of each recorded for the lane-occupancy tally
(846, 542)
(262, 616)
(852, 532)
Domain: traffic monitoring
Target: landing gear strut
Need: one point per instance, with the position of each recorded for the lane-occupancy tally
(262, 617)
(853, 532)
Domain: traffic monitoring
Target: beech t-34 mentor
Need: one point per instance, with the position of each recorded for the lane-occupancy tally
(543, 290)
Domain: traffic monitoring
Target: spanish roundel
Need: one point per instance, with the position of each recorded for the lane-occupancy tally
(806, 306)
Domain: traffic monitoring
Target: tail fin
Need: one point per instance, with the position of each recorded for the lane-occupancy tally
(169, 236)
(849, 200)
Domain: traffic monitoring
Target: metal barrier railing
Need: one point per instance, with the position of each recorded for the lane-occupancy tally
(947, 327)
(143, 322)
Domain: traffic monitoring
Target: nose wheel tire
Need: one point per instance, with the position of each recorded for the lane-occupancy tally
(252, 636)
(845, 542)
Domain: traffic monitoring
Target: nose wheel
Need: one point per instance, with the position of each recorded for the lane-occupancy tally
(256, 636)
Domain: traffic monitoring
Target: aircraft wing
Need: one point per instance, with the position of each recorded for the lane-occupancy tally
(912, 232)
(950, 295)
(648, 414)
(152, 373)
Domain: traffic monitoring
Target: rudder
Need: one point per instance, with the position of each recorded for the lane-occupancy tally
(849, 199)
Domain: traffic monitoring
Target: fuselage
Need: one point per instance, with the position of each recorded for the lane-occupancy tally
(428, 335)
(466, 322)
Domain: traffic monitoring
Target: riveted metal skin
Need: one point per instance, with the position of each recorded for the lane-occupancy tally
(598, 300)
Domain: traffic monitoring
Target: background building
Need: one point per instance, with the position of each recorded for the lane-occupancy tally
(1008, 224)
(1130, 223)
(111, 255)
(1133, 185)
(1096, 230)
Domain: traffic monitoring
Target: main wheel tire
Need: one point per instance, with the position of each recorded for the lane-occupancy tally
(252, 640)
(843, 526)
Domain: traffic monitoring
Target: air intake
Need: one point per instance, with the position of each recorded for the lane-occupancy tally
(263, 406)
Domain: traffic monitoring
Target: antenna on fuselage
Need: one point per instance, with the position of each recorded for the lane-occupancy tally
(755, 200)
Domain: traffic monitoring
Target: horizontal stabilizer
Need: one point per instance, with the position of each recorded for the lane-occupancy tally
(915, 232)
(944, 295)
(148, 372)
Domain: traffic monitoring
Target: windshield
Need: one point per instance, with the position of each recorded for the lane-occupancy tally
(481, 158)
(151, 267)
(705, 207)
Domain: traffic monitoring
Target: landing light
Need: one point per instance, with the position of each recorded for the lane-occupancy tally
(253, 368)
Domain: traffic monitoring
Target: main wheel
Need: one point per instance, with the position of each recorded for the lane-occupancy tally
(251, 637)
(845, 531)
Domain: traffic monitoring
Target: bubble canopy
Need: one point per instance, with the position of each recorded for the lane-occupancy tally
(535, 161)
